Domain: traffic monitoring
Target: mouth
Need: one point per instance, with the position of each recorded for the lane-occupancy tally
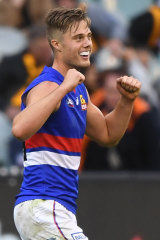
(85, 54)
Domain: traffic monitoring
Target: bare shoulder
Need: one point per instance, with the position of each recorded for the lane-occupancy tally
(40, 91)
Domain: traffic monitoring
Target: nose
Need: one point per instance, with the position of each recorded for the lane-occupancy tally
(87, 42)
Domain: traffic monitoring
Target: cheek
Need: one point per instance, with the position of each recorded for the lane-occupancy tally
(70, 53)
(67, 51)
(71, 47)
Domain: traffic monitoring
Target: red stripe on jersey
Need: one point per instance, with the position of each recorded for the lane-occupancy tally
(56, 142)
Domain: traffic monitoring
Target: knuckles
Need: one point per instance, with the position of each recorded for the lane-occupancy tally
(129, 82)
(73, 73)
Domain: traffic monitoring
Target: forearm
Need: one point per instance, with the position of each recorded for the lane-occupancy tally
(117, 121)
(32, 118)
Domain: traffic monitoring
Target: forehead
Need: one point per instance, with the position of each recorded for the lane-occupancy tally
(79, 28)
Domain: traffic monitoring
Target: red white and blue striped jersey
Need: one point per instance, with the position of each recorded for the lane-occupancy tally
(52, 155)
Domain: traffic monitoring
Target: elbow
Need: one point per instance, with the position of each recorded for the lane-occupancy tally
(109, 143)
(113, 143)
(17, 132)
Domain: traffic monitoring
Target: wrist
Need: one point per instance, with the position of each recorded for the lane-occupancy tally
(64, 88)
(126, 101)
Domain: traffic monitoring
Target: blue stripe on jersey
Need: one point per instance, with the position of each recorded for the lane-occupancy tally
(60, 184)
(53, 150)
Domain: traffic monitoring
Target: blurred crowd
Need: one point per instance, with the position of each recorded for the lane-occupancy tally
(120, 47)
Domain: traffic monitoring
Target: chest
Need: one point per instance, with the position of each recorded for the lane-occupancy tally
(70, 119)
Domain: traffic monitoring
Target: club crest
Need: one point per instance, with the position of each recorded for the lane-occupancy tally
(83, 103)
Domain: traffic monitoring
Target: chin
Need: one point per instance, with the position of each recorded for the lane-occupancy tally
(84, 65)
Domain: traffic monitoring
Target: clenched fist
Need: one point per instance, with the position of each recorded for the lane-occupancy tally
(128, 87)
(72, 79)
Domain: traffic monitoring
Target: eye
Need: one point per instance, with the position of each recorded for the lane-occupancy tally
(79, 37)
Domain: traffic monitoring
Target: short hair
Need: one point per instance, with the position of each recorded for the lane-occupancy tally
(61, 19)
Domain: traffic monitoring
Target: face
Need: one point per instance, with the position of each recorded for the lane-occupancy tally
(112, 94)
(76, 46)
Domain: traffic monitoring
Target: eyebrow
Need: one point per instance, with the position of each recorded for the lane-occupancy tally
(81, 34)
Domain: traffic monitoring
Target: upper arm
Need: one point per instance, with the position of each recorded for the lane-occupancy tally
(40, 91)
(96, 127)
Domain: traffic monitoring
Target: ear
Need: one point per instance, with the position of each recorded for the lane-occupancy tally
(56, 45)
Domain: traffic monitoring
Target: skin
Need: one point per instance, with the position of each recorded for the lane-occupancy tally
(69, 47)
(45, 98)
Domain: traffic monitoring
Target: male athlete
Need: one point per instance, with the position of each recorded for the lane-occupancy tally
(56, 113)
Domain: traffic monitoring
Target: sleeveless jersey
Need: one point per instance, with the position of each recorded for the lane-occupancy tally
(52, 155)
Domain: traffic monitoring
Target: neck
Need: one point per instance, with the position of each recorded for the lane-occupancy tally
(60, 67)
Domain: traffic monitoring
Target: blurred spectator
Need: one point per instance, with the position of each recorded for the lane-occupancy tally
(5, 129)
(106, 60)
(91, 78)
(139, 149)
(12, 41)
(143, 65)
(144, 28)
(139, 62)
(23, 13)
(15, 154)
(19, 70)
(6, 117)
(16, 73)
(157, 89)
(106, 24)
(68, 3)
(10, 12)
(37, 9)
(109, 29)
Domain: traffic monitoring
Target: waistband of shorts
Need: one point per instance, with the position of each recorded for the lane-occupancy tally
(28, 198)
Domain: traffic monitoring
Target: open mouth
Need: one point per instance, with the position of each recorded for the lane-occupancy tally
(85, 54)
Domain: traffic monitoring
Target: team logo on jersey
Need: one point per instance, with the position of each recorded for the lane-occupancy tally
(78, 236)
(69, 102)
(83, 103)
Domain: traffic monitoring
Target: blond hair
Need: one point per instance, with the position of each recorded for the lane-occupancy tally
(59, 20)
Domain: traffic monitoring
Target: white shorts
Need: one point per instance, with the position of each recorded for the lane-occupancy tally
(46, 220)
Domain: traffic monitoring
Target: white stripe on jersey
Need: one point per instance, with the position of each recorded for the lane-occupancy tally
(52, 158)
